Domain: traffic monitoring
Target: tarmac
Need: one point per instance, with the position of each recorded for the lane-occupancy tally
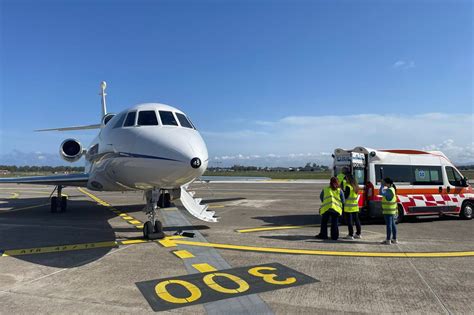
(260, 258)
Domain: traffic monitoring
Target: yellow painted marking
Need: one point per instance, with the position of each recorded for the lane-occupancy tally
(98, 200)
(328, 252)
(209, 280)
(131, 242)
(204, 267)
(162, 292)
(124, 216)
(167, 243)
(274, 228)
(59, 248)
(30, 207)
(183, 254)
(169, 209)
(14, 196)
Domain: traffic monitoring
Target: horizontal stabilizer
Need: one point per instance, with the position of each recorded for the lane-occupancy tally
(96, 126)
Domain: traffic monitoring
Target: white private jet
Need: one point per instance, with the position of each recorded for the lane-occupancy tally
(151, 147)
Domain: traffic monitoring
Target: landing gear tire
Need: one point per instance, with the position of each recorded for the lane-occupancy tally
(158, 227)
(54, 204)
(147, 229)
(466, 211)
(151, 232)
(63, 203)
(165, 200)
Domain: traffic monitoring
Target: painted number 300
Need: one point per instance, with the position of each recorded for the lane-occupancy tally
(242, 286)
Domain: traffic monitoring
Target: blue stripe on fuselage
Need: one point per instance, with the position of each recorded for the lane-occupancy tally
(125, 154)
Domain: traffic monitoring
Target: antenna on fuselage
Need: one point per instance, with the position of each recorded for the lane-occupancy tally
(102, 93)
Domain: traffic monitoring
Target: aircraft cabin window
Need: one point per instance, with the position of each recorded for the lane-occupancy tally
(130, 121)
(120, 120)
(184, 121)
(167, 118)
(147, 118)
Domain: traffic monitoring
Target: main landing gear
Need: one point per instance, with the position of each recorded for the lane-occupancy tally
(153, 229)
(59, 203)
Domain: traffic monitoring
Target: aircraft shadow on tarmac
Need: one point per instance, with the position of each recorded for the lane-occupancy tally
(296, 219)
(36, 227)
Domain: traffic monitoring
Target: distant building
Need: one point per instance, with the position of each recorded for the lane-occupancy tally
(4, 172)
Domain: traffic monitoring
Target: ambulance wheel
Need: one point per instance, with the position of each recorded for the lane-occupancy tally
(466, 211)
(400, 215)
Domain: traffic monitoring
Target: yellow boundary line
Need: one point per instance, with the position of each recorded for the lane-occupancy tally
(327, 252)
(274, 228)
(75, 247)
(123, 215)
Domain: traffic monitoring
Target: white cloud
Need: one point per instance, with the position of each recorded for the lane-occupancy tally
(294, 137)
(404, 64)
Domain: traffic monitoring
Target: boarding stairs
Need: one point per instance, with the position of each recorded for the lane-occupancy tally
(194, 206)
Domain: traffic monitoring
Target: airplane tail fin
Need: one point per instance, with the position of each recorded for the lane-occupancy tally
(103, 119)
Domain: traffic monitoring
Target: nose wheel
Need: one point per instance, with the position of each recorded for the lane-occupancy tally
(152, 229)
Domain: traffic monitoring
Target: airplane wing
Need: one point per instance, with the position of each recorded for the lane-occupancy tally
(77, 180)
(96, 126)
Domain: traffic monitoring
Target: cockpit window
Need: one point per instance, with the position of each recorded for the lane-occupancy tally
(184, 121)
(147, 118)
(120, 120)
(167, 118)
(130, 120)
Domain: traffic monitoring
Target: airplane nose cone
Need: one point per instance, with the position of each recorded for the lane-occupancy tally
(196, 162)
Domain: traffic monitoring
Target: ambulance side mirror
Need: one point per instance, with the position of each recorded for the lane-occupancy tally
(465, 182)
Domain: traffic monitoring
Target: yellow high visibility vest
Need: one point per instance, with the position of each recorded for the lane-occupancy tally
(390, 206)
(340, 178)
(331, 200)
(352, 202)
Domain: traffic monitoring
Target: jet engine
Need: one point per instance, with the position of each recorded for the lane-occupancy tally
(71, 150)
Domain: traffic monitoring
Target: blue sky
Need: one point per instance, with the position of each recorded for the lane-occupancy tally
(266, 82)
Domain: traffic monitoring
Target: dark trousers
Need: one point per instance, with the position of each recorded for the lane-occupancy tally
(351, 218)
(334, 224)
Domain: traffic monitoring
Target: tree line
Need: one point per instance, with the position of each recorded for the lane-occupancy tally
(46, 169)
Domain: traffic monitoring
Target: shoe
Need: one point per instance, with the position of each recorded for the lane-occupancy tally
(386, 242)
(394, 241)
(319, 237)
(358, 236)
(348, 237)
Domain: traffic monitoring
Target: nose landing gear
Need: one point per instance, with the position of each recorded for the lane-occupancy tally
(153, 229)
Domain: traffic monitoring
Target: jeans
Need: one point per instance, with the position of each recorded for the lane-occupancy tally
(334, 224)
(352, 217)
(391, 226)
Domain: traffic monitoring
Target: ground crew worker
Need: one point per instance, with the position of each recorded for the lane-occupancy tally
(351, 207)
(332, 200)
(342, 176)
(389, 209)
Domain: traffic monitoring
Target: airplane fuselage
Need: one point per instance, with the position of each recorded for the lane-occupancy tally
(138, 154)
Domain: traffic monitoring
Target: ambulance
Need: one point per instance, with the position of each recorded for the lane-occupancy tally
(427, 182)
